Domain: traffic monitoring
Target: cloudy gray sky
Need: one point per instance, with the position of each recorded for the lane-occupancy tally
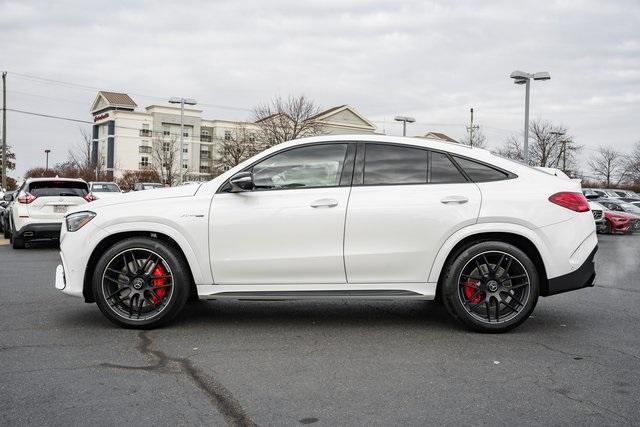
(431, 60)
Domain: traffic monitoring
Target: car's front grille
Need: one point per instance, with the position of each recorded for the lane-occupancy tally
(597, 215)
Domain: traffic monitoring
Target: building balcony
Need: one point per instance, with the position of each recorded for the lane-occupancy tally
(145, 132)
(206, 138)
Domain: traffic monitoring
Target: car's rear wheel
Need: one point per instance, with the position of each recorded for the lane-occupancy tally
(491, 286)
(141, 283)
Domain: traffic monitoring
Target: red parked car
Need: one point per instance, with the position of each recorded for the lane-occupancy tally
(618, 222)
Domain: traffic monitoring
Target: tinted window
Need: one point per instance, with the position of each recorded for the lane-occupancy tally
(388, 164)
(479, 172)
(312, 166)
(58, 188)
(105, 188)
(443, 170)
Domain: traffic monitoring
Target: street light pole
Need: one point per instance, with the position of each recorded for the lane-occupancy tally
(4, 130)
(46, 163)
(182, 102)
(525, 146)
(404, 120)
(520, 77)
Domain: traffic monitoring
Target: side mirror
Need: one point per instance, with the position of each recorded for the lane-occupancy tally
(7, 197)
(242, 181)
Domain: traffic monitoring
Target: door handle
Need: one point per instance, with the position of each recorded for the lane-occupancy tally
(324, 203)
(454, 199)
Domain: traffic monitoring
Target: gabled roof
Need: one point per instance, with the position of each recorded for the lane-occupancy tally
(439, 136)
(106, 99)
(325, 116)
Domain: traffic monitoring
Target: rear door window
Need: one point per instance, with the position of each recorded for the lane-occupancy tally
(443, 171)
(389, 164)
(58, 189)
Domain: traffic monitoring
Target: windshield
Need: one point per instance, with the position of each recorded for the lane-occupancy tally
(628, 207)
(105, 188)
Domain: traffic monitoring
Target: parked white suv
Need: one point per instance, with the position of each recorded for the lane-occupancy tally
(40, 206)
(355, 216)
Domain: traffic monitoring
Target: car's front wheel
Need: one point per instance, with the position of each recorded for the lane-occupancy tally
(490, 286)
(141, 283)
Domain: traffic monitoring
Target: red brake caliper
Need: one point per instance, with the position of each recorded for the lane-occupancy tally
(470, 288)
(159, 271)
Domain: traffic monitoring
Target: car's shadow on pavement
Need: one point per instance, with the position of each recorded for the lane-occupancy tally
(341, 313)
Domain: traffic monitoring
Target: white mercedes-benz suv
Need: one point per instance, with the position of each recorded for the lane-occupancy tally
(339, 217)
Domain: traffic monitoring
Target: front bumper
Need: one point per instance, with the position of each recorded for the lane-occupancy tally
(584, 276)
(40, 232)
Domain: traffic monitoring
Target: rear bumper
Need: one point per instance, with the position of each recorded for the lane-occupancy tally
(39, 232)
(584, 276)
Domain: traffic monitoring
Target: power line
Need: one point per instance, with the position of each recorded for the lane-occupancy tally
(94, 88)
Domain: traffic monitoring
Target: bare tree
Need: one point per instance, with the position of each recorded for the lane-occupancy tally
(237, 147)
(165, 155)
(477, 140)
(81, 158)
(633, 164)
(608, 165)
(282, 120)
(549, 146)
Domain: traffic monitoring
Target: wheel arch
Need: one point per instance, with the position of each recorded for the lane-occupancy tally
(519, 240)
(112, 239)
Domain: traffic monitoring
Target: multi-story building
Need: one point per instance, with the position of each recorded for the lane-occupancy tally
(126, 139)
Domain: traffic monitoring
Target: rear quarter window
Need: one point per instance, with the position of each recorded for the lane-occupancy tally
(479, 172)
(58, 189)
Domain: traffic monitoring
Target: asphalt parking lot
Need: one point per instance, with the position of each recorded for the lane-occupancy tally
(576, 361)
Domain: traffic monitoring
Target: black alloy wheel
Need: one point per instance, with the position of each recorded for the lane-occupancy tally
(141, 283)
(491, 286)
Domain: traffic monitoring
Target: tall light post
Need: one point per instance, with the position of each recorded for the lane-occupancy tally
(46, 162)
(520, 77)
(182, 102)
(404, 120)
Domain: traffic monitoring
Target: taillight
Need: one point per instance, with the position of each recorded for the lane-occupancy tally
(26, 198)
(90, 197)
(574, 201)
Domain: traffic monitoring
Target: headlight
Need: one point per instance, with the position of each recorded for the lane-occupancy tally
(76, 221)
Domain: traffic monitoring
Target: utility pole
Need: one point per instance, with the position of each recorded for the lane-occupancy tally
(4, 130)
(471, 128)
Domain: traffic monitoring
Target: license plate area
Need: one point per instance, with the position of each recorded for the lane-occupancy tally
(59, 209)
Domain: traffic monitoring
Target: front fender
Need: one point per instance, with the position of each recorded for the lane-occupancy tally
(457, 237)
(196, 253)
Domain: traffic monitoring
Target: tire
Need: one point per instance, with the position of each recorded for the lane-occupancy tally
(17, 243)
(163, 308)
(498, 274)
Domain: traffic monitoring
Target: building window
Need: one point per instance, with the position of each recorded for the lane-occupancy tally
(144, 161)
(145, 131)
(185, 148)
(204, 132)
(166, 146)
(145, 149)
(204, 168)
(185, 165)
(252, 137)
(227, 135)
(166, 131)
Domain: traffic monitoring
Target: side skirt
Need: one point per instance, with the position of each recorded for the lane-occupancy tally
(423, 291)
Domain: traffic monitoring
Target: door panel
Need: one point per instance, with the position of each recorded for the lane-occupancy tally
(393, 232)
(282, 236)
